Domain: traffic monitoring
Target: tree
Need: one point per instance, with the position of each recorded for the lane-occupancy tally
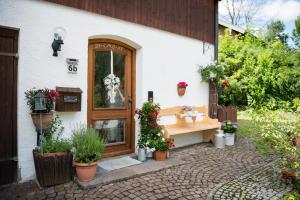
(296, 32)
(240, 12)
(275, 31)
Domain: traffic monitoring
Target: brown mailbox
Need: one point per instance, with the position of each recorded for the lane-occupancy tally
(69, 99)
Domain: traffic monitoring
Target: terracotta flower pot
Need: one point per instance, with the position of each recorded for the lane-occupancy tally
(160, 155)
(288, 174)
(181, 91)
(46, 119)
(86, 172)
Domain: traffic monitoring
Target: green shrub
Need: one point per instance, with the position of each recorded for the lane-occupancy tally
(280, 134)
(52, 143)
(259, 73)
(55, 145)
(88, 145)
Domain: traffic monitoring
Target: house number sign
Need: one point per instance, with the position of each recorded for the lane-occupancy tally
(72, 65)
(70, 99)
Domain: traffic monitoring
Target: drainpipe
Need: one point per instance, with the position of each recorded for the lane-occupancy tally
(213, 90)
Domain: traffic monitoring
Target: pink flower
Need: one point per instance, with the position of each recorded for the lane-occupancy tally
(182, 84)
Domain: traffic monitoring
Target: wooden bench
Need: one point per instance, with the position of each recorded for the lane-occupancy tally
(207, 126)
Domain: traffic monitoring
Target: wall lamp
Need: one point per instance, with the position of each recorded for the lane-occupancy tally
(59, 36)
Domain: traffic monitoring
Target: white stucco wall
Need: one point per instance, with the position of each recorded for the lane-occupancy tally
(163, 59)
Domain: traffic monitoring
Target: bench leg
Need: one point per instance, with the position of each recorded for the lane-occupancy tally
(208, 135)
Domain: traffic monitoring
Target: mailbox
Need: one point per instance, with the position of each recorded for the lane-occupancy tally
(69, 99)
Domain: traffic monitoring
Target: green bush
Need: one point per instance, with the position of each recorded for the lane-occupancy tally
(52, 142)
(55, 145)
(280, 134)
(259, 73)
(88, 145)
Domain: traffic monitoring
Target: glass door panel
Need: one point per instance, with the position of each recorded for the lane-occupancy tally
(109, 85)
(112, 130)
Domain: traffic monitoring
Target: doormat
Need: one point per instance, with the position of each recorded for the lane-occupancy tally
(118, 163)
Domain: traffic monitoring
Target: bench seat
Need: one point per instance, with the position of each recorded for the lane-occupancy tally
(207, 126)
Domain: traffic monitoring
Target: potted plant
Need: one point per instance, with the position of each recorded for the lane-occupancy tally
(229, 130)
(162, 147)
(211, 72)
(53, 159)
(181, 87)
(89, 147)
(149, 127)
(49, 97)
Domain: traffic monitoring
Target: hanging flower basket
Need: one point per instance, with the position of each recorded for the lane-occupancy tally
(181, 87)
(45, 120)
(41, 103)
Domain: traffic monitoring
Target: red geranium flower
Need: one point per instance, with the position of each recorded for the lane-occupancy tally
(226, 84)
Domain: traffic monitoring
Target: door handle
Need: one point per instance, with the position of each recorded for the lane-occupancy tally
(129, 102)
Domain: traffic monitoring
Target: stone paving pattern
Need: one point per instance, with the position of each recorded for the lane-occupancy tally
(204, 169)
(262, 184)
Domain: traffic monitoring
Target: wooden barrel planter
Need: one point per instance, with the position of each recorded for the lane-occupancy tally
(53, 168)
(227, 113)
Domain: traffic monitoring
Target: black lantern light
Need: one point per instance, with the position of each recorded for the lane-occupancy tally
(56, 44)
(39, 101)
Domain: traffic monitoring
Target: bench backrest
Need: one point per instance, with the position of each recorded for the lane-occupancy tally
(178, 110)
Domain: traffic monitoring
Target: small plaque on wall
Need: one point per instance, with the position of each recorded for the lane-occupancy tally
(72, 65)
(69, 99)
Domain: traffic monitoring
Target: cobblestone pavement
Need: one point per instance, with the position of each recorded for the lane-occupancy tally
(204, 169)
(263, 184)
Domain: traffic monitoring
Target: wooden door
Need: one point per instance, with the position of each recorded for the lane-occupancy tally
(8, 105)
(111, 94)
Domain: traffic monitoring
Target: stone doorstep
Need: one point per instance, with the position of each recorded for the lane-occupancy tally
(148, 166)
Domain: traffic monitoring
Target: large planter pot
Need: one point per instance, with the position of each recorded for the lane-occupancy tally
(141, 154)
(160, 155)
(45, 120)
(229, 139)
(86, 171)
(53, 168)
(181, 91)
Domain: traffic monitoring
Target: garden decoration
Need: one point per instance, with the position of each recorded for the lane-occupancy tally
(229, 130)
(181, 87)
(89, 147)
(53, 158)
(220, 139)
(42, 107)
(141, 149)
(112, 84)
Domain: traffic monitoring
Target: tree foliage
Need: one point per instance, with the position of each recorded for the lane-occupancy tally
(275, 32)
(259, 72)
(296, 32)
